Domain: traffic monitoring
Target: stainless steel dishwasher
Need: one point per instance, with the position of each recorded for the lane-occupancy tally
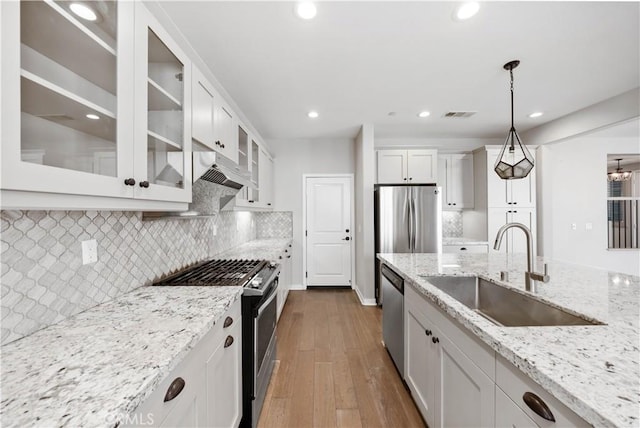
(393, 315)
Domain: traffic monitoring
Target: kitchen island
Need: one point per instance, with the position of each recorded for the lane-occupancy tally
(594, 370)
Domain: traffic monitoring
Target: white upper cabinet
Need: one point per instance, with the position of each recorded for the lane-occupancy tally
(92, 109)
(163, 106)
(503, 193)
(455, 175)
(67, 110)
(225, 128)
(407, 166)
(266, 179)
(202, 108)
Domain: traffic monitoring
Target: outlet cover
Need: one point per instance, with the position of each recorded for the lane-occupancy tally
(588, 226)
(89, 251)
(574, 226)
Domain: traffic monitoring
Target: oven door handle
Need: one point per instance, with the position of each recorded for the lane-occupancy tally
(272, 296)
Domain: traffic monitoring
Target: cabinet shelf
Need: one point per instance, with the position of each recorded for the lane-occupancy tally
(159, 99)
(40, 20)
(158, 143)
(43, 99)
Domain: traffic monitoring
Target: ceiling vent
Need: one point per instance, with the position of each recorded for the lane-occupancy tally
(460, 113)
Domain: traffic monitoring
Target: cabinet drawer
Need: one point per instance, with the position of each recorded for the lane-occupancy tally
(515, 384)
(509, 415)
(218, 332)
(472, 347)
(474, 248)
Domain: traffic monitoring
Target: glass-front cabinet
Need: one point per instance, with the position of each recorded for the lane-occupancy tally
(161, 102)
(70, 102)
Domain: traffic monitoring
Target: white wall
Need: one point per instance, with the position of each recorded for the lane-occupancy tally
(574, 190)
(365, 247)
(293, 158)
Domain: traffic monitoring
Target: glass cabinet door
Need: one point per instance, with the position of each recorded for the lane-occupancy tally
(164, 164)
(68, 129)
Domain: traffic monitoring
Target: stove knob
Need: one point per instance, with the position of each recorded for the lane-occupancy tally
(272, 265)
(255, 283)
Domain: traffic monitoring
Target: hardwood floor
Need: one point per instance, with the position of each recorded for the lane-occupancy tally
(332, 369)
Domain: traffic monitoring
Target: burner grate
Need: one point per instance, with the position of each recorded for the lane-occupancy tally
(216, 272)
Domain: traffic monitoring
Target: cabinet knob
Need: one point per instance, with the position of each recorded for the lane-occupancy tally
(144, 184)
(515, 203)
(228, 341)
(250, 202)
(346, 239)
(130, 182)
(427, 332)
(218, 143)
(269, 203)
(508, 203)
(222, 146)
(346, 230)
(227, 322)
(405, 179)
(286, 251)
(463, 249)
(435, 339)
(279, 257)
(536, 404)
(449, 203)
(174, 389)
(288, 257)
(454, 203)
(410, 178)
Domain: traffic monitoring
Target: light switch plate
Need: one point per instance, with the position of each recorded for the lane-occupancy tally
(89, 251)
(588, 226)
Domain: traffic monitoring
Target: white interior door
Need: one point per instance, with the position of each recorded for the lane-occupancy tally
(329, 232)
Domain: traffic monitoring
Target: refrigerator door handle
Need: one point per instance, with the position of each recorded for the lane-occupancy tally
(414, 213)
(409, 216)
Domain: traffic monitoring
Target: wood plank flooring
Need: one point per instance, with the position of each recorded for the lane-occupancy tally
(332, 369)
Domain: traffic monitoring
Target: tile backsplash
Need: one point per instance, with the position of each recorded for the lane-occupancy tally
(452, 224)
(277, 224)
(42, 276)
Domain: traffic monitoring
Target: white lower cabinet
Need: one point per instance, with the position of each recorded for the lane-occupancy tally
(284, 282)
(472, 248)
(458, 381)
(449, 389)
(509, 415)
(224, 381)
(205, 390)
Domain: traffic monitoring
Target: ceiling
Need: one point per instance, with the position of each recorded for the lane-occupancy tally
(357, 61)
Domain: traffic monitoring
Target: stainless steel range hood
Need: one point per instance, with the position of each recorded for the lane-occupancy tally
(216, 180)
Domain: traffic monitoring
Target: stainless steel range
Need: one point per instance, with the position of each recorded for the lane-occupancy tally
(259, 308)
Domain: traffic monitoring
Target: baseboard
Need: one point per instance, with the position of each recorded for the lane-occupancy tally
(297, 287)
(363, 301)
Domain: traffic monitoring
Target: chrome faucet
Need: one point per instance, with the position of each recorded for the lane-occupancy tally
(529, 276)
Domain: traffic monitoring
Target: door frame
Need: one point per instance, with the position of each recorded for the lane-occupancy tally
(304, 224)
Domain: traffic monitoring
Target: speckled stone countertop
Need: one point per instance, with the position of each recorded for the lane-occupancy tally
(258, 249)
(462, 241)
(93, 369)
(593, 370)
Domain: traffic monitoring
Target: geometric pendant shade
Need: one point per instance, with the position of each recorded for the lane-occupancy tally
(514, 161)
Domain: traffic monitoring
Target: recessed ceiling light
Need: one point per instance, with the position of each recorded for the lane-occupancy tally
(83, 11)
(306, 10)
(313, 114)
(93, 116)
(536, 114)
(466, 10)
(424, 114)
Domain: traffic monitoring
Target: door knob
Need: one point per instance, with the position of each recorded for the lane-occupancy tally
(346, 239)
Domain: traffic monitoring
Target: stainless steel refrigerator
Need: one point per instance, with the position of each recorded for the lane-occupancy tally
(408, 219)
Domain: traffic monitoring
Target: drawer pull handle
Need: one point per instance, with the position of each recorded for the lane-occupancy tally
(228, 341)
(536, 404)
(227, 322)
(174, 389)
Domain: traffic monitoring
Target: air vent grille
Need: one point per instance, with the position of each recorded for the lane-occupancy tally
(461, 114)
(215, 176)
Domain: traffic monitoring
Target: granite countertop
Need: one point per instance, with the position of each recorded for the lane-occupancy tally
(593, 370)
(93, 369)
(258, 249)
(462, 241)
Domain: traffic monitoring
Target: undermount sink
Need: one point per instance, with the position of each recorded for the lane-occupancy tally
(503, 306)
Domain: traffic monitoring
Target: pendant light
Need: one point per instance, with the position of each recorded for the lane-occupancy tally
(619, 174)
(514, 161)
